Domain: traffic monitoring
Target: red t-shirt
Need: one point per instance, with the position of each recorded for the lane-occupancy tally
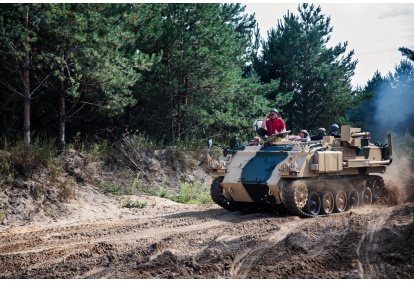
(275, 125)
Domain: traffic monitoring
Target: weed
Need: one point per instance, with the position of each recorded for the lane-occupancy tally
(139, 141)
(177, 160)
(114, 188)
(136, 185)
(24, 160)
(10, 178)
(192, 193)
(163, 193)
(3, 214)
(55, 170)
(5, 164)
(67, 191)
(133, 204)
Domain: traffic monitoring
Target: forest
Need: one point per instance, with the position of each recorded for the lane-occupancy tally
(181, 73)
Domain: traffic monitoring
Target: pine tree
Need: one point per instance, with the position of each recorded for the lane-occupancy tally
(18, 35)
(197, 84)
(317, 76)
(407, 52)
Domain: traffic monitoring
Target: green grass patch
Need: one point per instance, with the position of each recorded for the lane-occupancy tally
(3, 215)
(133, 204)
(190, 193)
(114, 189)
(17, 158)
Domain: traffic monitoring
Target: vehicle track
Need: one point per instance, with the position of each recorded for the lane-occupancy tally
(206, 241)
(244, 261)
(369, 264)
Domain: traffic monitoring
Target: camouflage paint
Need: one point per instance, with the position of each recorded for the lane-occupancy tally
(259, 169)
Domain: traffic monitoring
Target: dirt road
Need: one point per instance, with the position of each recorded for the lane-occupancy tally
(170, 240)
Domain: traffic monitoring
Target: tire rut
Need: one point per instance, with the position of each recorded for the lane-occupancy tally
(370, 266)
(245, 260)
(205, 242)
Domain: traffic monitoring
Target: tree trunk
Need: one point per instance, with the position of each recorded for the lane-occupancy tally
(171, 94)
(185, 116)
(26, 87)
(62, 118)
(180, 103)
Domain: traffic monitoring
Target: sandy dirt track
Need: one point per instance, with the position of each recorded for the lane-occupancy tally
(170, 240)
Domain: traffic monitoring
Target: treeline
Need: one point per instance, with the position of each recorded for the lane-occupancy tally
(173, 72)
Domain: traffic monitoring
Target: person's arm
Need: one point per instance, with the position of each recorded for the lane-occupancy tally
(282, 123)
(282, 126)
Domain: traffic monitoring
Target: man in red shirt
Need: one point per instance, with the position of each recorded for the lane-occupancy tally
(273, 123)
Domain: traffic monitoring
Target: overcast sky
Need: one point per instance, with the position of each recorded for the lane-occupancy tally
(374, 31)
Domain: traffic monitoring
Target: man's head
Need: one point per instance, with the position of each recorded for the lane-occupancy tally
(304, 133)
(273, 113)
(334, 128)
(255, 141)
(321, 131)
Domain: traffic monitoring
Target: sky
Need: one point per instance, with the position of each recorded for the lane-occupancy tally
(374, 31)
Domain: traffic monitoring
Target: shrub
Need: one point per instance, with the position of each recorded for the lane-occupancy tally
(192, 193)
(133, 204)
(17, 158)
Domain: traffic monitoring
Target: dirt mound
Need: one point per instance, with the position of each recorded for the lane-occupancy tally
(83, 188)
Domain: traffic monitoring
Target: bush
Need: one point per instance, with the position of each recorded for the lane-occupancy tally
(20, 159)
(192, 193)
(133, 204)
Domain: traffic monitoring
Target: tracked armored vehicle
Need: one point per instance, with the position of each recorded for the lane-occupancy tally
(307, 179)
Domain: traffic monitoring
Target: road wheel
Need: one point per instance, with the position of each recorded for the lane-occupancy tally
(366, 197)
(301, 194)
(353, 199)
(327, 202)
(377, 187)
(313, 206)
(295, 197)
(340, 201)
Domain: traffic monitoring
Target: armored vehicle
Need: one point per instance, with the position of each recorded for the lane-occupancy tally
(308, 179)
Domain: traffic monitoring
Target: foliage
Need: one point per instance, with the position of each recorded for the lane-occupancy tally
(199, 79)
(167, 74)
(77, 56)
(129, 203)
(191, 193)
(3, 214)
(317, 77)
(16, 158)
(407, 52)
(67, 191)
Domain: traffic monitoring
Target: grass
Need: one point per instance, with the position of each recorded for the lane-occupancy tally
(18, 160)
(67, 191)
(133, 204)
(163, 193)
(114, 189)
(3, 215)
(189, 193)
